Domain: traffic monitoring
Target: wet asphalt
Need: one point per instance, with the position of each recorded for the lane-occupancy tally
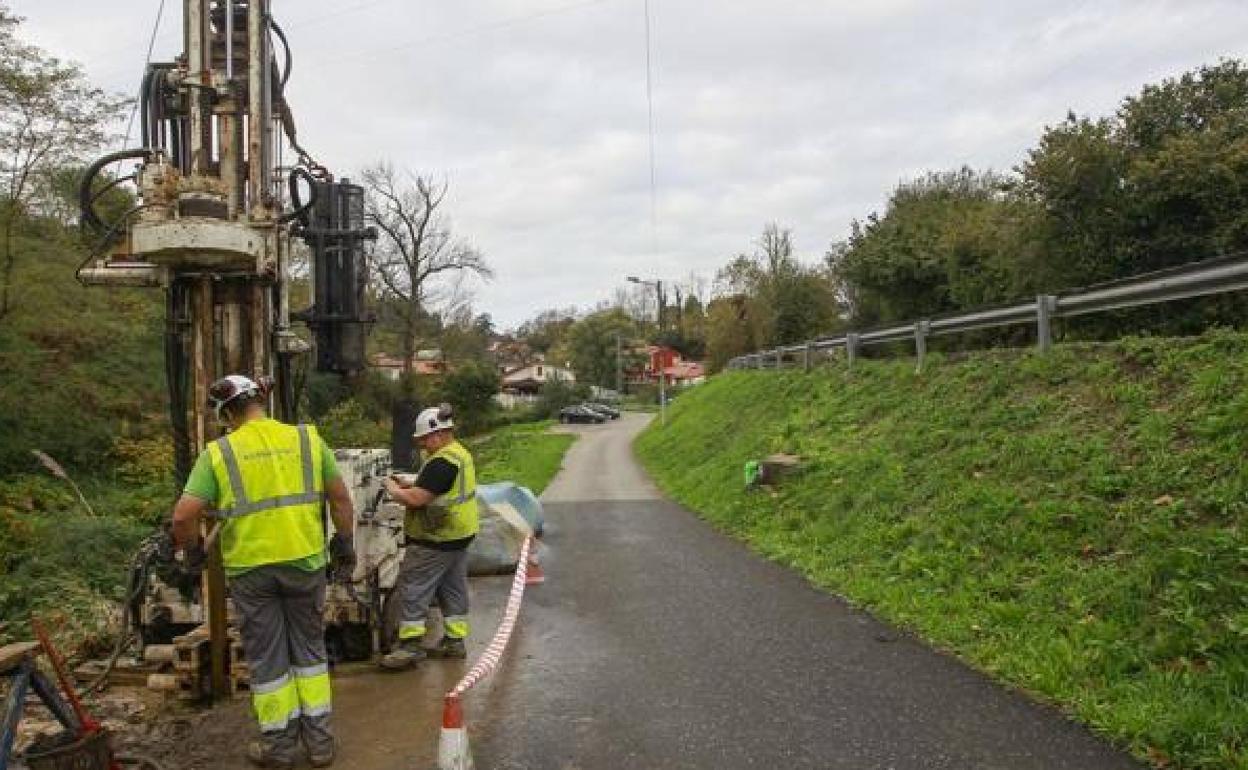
(657, 642)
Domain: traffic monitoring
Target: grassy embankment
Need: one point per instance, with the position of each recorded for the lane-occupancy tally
(527, 454)
(1071, 524)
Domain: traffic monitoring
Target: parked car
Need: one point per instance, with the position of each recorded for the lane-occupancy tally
(606, 409)
(590, 407)
(580, 414)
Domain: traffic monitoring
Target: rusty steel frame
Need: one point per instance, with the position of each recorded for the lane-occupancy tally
(211, 235)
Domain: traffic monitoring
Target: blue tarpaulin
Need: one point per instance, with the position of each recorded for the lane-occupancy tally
(519, 497)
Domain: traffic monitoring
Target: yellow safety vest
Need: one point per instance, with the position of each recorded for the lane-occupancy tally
(461, 502)
(271, 493)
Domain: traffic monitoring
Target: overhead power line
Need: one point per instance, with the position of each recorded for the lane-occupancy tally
(654, 195)
(151, 44)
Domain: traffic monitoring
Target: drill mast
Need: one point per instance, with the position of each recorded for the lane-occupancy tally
(215, 230)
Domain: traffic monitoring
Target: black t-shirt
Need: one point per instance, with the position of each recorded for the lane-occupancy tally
(439, 476)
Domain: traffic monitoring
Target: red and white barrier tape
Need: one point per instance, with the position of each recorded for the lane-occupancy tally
(494, 653)
(453, 750)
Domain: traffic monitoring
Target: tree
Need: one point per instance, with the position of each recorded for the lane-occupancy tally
(1161, 183)
(465, 337)
(1075, 177)
(946, 241)
(782, 300)
(50, 118)
(592, 346)
(470, 388)
(415, 248)
(545, 331)
(729, 330)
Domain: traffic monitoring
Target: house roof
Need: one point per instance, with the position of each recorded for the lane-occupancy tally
(685, 370)
(384, 361)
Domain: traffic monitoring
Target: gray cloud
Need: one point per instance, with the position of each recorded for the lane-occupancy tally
(806, 112)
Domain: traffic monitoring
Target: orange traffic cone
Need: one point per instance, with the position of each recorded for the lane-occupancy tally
(453, 752)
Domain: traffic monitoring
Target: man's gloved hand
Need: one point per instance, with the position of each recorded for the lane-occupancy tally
(341, 557)
(192, 559)
(163, 547)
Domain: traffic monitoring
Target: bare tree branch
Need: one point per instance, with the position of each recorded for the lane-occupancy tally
(416, 247)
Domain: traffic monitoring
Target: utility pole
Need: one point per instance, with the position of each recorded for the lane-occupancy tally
(657, 285)
(619, 366)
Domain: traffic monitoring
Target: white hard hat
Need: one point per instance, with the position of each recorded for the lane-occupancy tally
(432, 420)
(230, 387)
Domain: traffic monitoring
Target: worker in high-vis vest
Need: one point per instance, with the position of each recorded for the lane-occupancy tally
(441, 522)
(266, 483)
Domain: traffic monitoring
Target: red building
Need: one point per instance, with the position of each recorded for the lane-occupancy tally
(659, 358)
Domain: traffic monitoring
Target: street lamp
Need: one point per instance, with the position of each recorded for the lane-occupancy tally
(658, 290)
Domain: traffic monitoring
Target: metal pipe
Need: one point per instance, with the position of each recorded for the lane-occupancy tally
(199, 75)
(229, 39)
(145, 276)
(255, 110)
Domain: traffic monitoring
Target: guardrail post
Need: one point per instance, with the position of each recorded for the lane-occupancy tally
(779, 358)
(851, 348)
(758, 360)
(921, 330)
(808, 356)
(1045, 305)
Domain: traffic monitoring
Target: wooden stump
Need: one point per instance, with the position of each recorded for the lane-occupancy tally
(774, 468)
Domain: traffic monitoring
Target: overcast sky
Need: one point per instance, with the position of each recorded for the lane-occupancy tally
(803, 112)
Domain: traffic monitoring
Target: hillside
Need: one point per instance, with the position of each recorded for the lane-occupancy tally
(1072, 524)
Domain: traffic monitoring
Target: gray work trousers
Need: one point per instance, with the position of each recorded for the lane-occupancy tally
(281, 617)
(427, 573)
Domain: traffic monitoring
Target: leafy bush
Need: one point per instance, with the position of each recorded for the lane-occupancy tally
(146, 461)
(555, 395)
(346, 425)
(470, 390)
(58, 561)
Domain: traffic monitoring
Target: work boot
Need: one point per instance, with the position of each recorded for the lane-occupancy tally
(450, 647)
(261, 754)
(322, 757)
(407, 655)
(319, 740)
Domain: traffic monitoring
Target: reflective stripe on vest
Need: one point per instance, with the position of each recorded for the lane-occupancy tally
(242, 506)
(279, 519)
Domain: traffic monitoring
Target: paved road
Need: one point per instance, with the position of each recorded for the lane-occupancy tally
(658, 643)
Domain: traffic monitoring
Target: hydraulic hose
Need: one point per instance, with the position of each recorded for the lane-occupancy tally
(301, 210)
(145, 95)
(286, 47)
(86, 202)
(140, 568)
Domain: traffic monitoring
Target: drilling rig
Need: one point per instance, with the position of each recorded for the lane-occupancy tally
(229, 207)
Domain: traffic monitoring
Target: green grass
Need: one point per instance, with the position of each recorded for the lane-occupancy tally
(527, 454)
(1071, 524)
(60, 562)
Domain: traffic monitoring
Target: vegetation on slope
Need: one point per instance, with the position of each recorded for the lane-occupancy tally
(1072, 524)
(527, 454)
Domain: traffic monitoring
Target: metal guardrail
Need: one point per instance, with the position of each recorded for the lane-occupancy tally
(1197, 279)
